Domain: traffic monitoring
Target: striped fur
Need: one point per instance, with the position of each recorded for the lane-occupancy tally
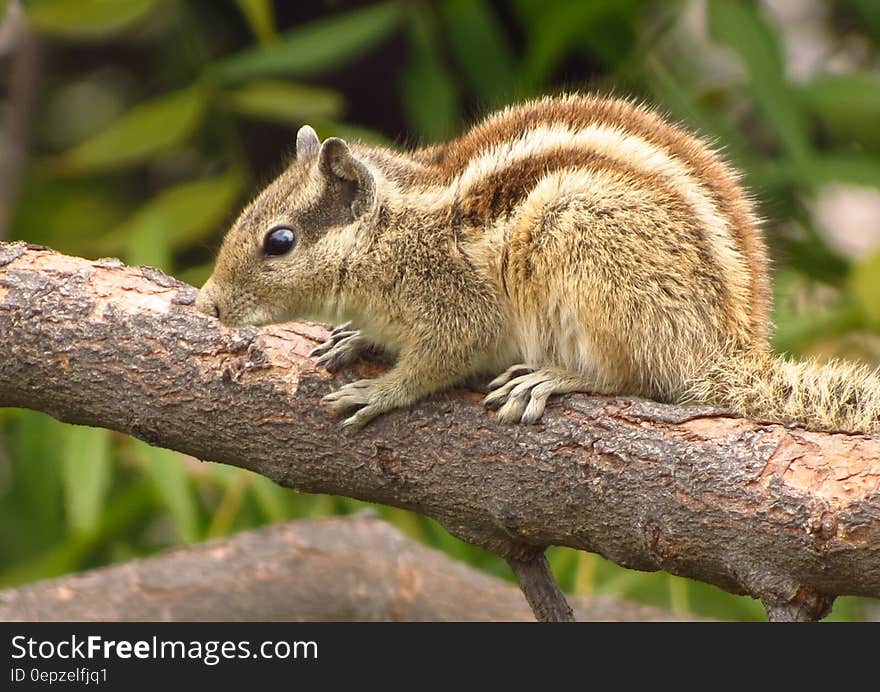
(575, 243)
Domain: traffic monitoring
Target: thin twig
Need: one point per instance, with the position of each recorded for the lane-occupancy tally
(541, 590)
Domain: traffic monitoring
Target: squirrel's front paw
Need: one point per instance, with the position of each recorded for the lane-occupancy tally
(359, 395)
(344, 347)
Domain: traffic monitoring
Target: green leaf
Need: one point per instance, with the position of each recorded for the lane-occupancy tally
(739, 25)
(864, 281)
(554, 32)
(603, 29)
(529, 12)
(127, 509)
(317, 47)
(674, 94)
(177, 218)
(480, 46)
(261, 17)
(230, 506)
(585, 573)
(86, 472)
(271, 498)
(174, 487)
(86, 19)
(856, 169)
(711, 602)
(563, 563)
(430, 98)
(283, 101)
(796, 335)
(37, 470)
(410, 523)
(868, 12)
(850, 609)
(64, 213)
(148, 244)
(148, 129)
(614, 34)
(847, 104)
(349, 132)
(195, 275)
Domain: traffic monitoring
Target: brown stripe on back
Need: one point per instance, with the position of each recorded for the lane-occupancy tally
(578, 112)
(500, 193)
(716, 176)
(497, 194)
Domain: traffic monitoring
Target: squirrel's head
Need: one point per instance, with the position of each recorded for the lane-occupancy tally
(286, 254)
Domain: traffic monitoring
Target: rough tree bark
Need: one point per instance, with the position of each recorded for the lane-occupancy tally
(354, 568)
(789, 516)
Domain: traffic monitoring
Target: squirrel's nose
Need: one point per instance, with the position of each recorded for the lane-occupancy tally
(206, 303)
(210, 307)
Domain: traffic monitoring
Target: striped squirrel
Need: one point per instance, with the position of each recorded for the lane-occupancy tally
(573, 243)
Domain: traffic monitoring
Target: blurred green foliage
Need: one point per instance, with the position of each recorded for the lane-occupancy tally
(157, 119)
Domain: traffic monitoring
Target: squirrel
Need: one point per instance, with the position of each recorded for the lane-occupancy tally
(572, 243)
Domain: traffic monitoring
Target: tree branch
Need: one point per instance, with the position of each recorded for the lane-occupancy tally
(539, 586)
(351, 568)
(789, 516)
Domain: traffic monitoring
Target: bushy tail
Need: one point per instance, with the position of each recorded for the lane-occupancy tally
(823, 396)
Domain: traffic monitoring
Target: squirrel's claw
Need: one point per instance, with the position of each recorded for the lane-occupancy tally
(520, 395)
(336, 336)
(511, 373)
(362, 417)
(350, 396)
(512, 399)
(360, 395)
(343, 348)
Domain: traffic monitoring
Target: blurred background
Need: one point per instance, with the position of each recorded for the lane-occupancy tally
(138, 128)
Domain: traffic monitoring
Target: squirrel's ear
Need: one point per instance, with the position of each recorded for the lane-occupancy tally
(338, 162)
(307, 143)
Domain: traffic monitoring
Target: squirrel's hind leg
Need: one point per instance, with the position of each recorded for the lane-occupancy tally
(520, 394)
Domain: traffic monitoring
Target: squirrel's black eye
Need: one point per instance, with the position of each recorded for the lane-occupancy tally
(279, 241)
